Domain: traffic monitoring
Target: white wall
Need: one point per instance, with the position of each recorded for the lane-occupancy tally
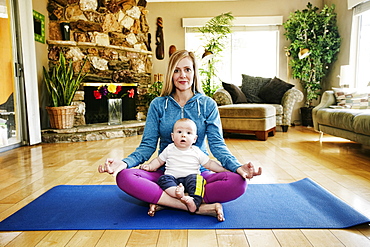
(42, 60)
(344, 21)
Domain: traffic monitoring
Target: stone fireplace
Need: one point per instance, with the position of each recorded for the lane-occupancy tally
(114, 36)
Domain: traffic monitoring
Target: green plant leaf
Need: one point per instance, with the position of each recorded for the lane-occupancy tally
(317, 31)
(215, 33)
(61, 82)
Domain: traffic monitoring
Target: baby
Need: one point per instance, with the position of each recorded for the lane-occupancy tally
(183, 160)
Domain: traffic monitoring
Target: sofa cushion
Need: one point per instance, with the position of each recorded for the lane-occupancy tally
(361, 123)
(338, 118)
(273, 91)
(247, 111)
(236, 93)
(251, 87)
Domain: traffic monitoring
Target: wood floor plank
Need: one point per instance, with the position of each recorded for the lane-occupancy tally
(261, 238)
(173, 238)
(56, 238)
(202, 238)
(227, 238)
(340, 166)
(143, 238)
(114, 238)
(7, 237)
(291, 238)
(351, 237)
(364, 229)
(84, 238)
(323, 238)
(27, 239)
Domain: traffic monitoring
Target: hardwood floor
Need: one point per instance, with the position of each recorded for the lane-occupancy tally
(340, 166)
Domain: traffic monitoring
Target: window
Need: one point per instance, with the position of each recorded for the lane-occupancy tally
(360, 49)
(363, 51)
(251, 50)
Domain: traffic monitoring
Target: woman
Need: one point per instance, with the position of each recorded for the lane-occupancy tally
(182, 97)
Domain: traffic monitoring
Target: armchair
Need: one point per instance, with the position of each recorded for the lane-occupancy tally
(284, 109)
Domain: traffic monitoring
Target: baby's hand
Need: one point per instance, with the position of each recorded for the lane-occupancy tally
(145, 167)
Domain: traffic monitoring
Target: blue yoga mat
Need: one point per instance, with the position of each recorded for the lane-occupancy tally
(302, 204)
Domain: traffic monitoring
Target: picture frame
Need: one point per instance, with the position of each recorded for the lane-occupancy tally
(39, 26)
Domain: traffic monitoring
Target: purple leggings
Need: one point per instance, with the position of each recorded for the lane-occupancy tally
(220, 187)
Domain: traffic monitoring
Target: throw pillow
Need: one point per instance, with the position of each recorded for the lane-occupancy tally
(251, 87)
(236, 94)
(343, 93)
(352, 98)
(274, 91)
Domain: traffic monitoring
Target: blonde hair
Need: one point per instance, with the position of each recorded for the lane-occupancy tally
(168, 87)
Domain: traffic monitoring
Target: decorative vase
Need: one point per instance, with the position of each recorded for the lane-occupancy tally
(66, 30)
(61, 117)
(114, 111)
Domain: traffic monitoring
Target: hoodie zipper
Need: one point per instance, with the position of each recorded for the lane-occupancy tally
(182, 107)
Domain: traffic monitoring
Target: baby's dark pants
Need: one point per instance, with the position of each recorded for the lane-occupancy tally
(193, 183)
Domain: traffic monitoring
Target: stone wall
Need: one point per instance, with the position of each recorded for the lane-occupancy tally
(113, 34)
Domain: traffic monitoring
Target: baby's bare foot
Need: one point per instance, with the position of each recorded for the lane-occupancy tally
(189, 202)
(179, 192)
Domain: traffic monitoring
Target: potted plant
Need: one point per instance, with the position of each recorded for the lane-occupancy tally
(215, 33)
(62, 84)
(315, 43)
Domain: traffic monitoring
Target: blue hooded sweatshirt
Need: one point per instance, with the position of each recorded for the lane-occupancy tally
(165, 111)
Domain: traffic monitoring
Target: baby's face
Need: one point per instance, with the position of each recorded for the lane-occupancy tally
(184, 135)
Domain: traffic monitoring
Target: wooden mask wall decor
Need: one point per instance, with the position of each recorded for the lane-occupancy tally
(159, 51)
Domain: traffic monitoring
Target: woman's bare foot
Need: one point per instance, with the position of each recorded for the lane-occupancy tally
(153, 208)
(214, 210)
(189, 202)
(179, 192)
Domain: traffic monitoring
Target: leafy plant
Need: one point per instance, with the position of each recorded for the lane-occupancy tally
(315, 32)
(215, 33)
(154, 91)
(61, 82)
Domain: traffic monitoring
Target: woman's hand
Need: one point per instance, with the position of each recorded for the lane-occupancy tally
(112, 166)
(248, 171)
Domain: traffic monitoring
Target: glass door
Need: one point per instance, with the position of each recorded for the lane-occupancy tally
(9, 120)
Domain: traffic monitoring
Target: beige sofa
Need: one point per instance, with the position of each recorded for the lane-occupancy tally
(284, 108)
(343, 119)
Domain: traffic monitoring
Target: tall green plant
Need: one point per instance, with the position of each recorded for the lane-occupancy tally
(215, 34)
(317, 32)
(61, 82)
